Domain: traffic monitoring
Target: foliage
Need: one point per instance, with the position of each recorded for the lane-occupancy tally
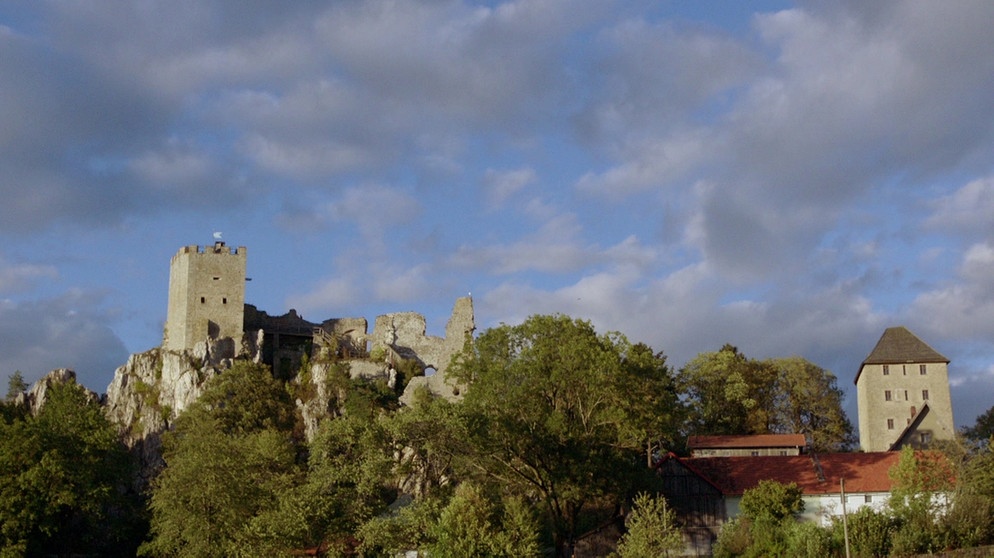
(408, 527)
(246, 398)
(728, 393)
(809, 540)
(16, 385)
(562, 441)
(228, 461)
(921, 482)
(59, 475)
(475, 523)
(773, 499)
(349, 466)
(733, 538)
(807, 400)
(870, 532)
(653, 412)
(970, 520)
(983, 429)
(766, 520)
(652, 529)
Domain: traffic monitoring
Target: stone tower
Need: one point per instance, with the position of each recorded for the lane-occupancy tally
(902, 392)
(206, 295)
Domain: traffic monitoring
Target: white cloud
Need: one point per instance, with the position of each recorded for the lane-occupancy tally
(963, 307)
(502, 185)
(20, 277)
(66, 332)
(330, 294)
(968, 209)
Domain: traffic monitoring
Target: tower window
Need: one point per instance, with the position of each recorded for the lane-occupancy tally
(925, 394)
(224, 300)
(921, 369)
(905, 395)
(217, 278)
(202, 300)
(886, 370)
(887, 395)
(904, 369)
(890, 424)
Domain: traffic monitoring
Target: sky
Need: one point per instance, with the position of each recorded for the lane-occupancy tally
(789, 178)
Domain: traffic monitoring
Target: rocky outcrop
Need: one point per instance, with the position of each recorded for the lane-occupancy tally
(154, 387)
(34, 398)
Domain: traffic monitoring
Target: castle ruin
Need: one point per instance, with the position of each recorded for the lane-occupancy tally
(207, 304)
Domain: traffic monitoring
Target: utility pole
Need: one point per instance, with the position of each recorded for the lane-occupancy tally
(845, 521)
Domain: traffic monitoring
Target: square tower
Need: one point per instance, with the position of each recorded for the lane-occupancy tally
(902, 392)
(206, 295)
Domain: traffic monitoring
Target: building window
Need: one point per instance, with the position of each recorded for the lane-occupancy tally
(925, 395)
(217, 278)
(202, 300)
(886, 370)
(904, 369)
(887, 396)
(921, 369)
(783, 452)
(754, 454)
(906, 395)
(224, 300)
(890, 424)
(868, 498)
(925, 437)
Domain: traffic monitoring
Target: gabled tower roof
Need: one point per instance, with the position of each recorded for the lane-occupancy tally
(898, 345)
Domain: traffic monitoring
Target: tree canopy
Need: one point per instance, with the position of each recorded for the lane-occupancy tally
(728, 393)
(545, 414)
(63, 480)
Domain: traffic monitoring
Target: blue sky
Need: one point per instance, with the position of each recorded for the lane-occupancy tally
(791, 178)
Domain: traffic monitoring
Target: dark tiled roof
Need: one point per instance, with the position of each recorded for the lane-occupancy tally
(863, 472)
(747, 442)
(898, 345)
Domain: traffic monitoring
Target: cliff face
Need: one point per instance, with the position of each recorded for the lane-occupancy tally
(154, 387)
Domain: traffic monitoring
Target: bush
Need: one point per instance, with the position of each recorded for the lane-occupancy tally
(811, 540)
(870, 533)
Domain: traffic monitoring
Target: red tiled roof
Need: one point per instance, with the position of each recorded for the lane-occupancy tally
(863, 472)
(745, 442)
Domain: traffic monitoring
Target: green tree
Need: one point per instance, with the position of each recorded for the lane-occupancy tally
(983, 429)
(228, 460)
(543, 415)
(349, 477)
(772, 499)
(475, 523)
(62, 475)
(16, 385)
(807, 400)
(767, 518)
(652, 529)
(921, 484)
(970, 519)
(727, 393)
(870, 532)
(653, 412)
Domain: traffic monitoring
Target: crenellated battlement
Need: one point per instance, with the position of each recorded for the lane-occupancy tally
(218, 247)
